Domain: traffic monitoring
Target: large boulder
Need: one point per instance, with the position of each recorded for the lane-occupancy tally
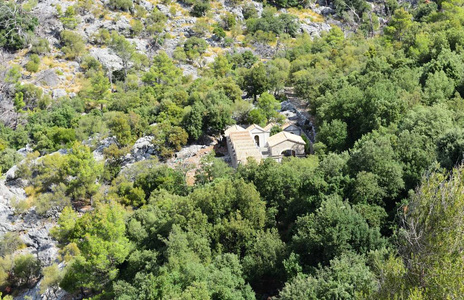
(48, 77)
(107, 58)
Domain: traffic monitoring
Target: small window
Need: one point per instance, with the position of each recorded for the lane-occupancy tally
(257, 140)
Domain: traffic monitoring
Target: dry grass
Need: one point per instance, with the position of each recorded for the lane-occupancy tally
(216, 50)
(305, 13)
(240, 38)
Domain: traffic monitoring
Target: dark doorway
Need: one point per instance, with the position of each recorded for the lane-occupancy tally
(288, 153)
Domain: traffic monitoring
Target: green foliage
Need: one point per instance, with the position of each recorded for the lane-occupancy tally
(40, 46)
(255, 80)
(200, 8)
(270, 23)
(26, 269)
(33, 64)
(121, 4)
(450, 148)
(52, 277)
(101, 251)
(429, 236)
(8, 158)
(347, 277)
(333, 135)
(123, 48)
(69, 18)
(73, 44)
(334, 229)
(195, 47)
(161, 177)
(10, 242)
(56, 200)
(168, 138)
(16, 26)
(77, 169)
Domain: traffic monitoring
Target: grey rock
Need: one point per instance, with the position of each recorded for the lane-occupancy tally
(188, 151)
(25, 151)
(108, 59)
(189, 70)
(259, 8)
(323, 10)
(315, 29)
(123, 24)
(141, 45)
(143, 149)
(102, 145)
(58, 93)
(164, 9)
(49, 77)
(11, 173)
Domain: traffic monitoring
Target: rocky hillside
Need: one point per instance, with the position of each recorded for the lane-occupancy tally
(114, 180)
(59, 76)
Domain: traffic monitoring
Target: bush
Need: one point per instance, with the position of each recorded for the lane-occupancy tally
(55, 200)
(121, 4)
(40, 46)
(33, 64)
(8, 158)
(73, 44)
(9, 243)
(219, 32)
(195, 47)
(69, 19)
(200, 8)
(16, 26)
(26, 269)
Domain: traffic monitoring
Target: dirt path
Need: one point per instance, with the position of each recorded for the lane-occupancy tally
(305, 119)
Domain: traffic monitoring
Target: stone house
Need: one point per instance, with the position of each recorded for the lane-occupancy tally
(257, 143)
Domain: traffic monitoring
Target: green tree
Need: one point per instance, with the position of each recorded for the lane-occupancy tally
(334, 229)
(121, 4)
(400, 22)
(195, 47)
(334, 135)
(431, 223)
(73, 44)
(168, 138)
(450, 148)
(347, 277)
(123, 48)
(119, 126)
(16, 25)
(84, 171)
(100, 237)
(255, 80)
(374, 153)
(52, 276)
(26, 269)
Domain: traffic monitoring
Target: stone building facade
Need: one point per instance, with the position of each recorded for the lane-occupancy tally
(256, 142)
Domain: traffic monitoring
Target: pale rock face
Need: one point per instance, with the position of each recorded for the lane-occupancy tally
(33, 229)
(107, 58)
(102, 145)
(315, 29)
(143, 149)
(58, 93)
(49, 77)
